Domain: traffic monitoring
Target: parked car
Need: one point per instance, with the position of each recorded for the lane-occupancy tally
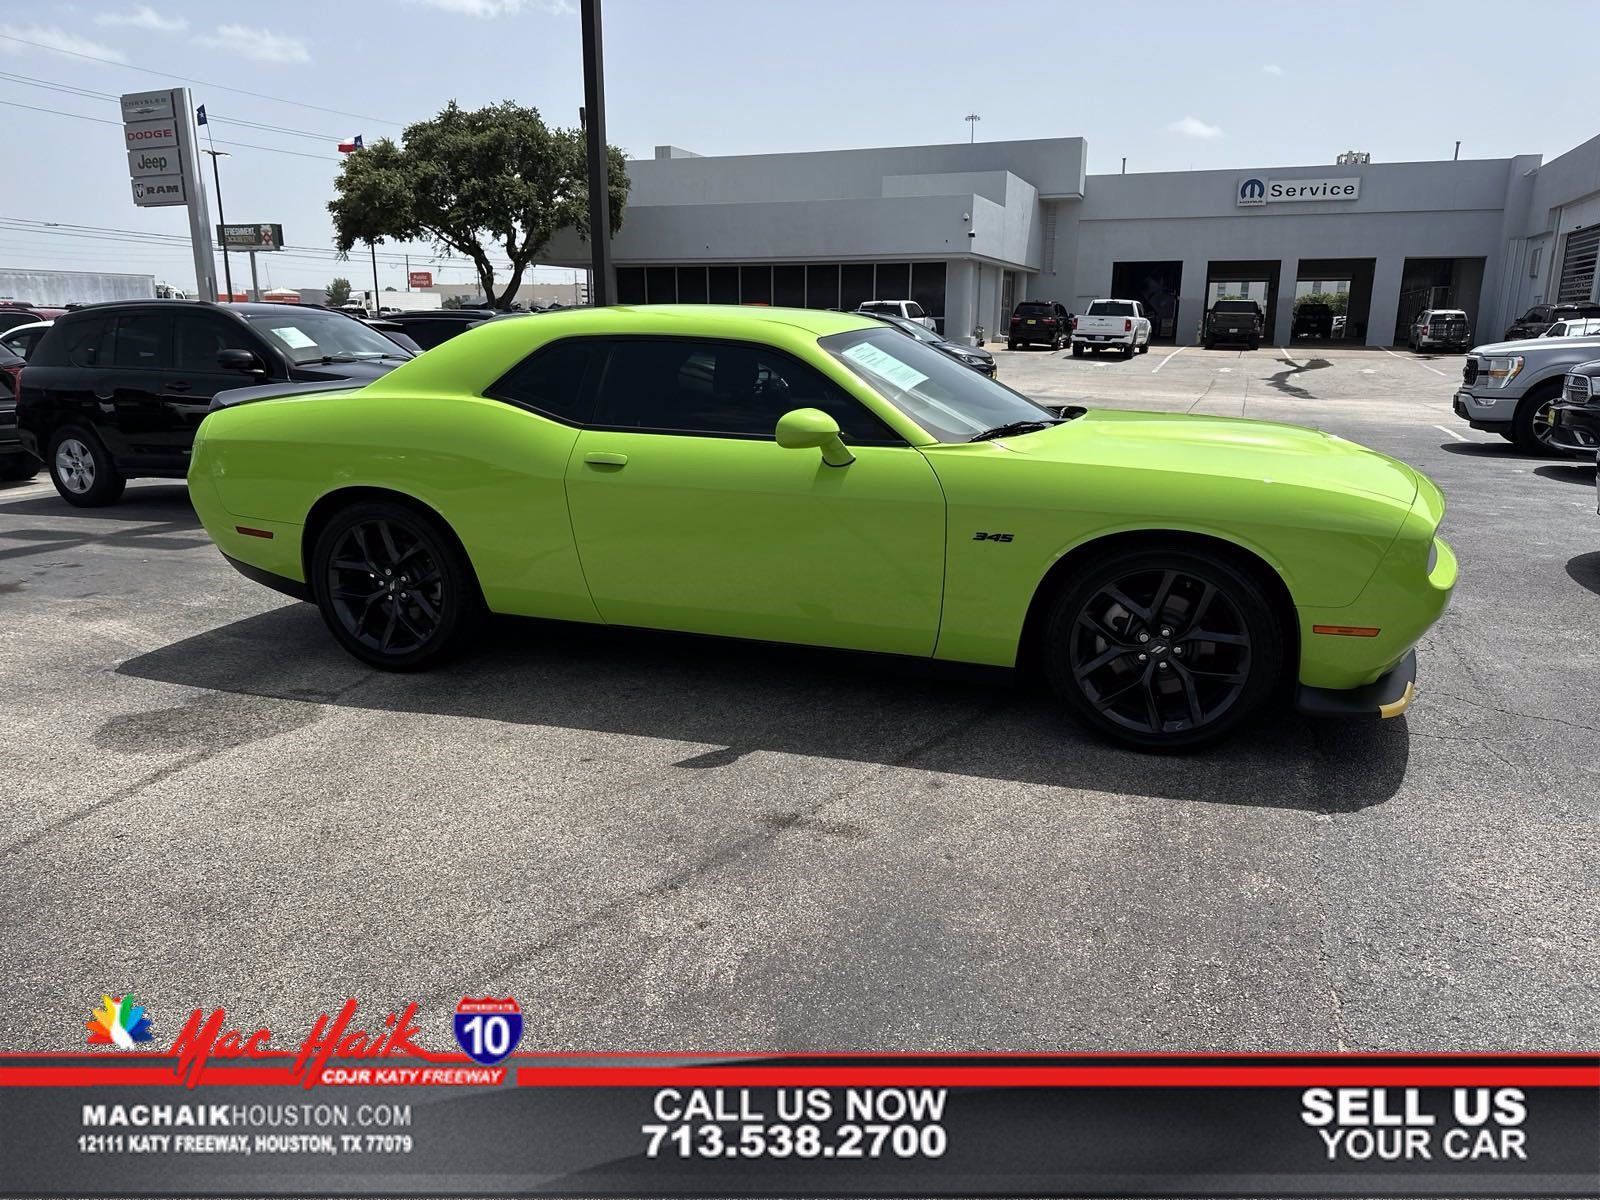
(817, 478)
(1313, 320)
(1233, 321)
(908, 309)
(1122, 324)
(1508, 387)
(13, 314)
(394, 332)
(1540, 317)
(116, 391)
(429, 329)
(21, 339)
(1440, 328)
(979, 359)
(15, 462)
(1575, 415)
(1572, 327)
(1039, 321)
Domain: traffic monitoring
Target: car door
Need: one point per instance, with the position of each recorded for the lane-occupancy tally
(688, 515)
(128, 389)
(196, 376)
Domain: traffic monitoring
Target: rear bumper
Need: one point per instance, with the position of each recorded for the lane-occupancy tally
(278, 583)
(1102, 339)
(1387, 696)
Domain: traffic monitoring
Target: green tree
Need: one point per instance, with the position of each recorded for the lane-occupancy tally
(338, 292)
(495, 181)
(1337, 302)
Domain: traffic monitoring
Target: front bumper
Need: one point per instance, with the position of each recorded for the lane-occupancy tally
(1494, 414)
(1575, 427)
(1387, 696)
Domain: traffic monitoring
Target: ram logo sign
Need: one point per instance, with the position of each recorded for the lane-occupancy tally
(1256, 191)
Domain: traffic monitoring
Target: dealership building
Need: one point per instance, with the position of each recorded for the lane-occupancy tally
(967, 230)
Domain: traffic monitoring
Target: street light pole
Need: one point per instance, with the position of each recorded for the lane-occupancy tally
(972, 120)
(227, 269)
(594, 127)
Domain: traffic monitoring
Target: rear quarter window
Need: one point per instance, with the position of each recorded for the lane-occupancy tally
(555, 381)
(85, 342)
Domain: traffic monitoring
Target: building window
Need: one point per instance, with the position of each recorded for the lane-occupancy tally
(855, 285)
(927, 288)
(724, 285)
(893, 282)
(755, 285)
(660, 285)
(822, 286)
(789, 286)
(691, 285)
(630, 285)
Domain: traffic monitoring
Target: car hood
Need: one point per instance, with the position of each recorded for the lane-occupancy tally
(1231, 447)
(1524, 345)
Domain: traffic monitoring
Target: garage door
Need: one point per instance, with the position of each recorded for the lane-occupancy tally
(1577, 266)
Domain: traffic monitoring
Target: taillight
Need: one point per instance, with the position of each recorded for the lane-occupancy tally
(1127, 325)
(1016, 317)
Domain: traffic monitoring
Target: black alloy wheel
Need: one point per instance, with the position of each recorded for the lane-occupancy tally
(392, 586)
(1162, 650)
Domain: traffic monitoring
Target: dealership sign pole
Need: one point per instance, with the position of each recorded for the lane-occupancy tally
(163, 169)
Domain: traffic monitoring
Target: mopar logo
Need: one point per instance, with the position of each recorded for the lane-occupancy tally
(1252, 191)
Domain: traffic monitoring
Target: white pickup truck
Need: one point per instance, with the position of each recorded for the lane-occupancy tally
(1107, 323)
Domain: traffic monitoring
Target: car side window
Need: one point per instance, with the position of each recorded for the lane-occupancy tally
(86, 343)
(143, 341)
(556, 381)
(915, 310)
(200, 337)
(727, 389)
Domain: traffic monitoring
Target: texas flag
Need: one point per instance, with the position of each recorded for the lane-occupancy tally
(350, 145)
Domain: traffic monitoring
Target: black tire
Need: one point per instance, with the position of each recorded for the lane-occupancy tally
(1011, 345)
(82, 468)
(1077, 349)
(423, 595)
(1145, 349)
(1253, 345)
(14, 467)
(1507, 434)
(1530, 428)
(1128, 350)
(1209, 344)
(1207, 687)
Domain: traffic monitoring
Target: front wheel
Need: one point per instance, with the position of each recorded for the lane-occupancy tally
(18, 466)
(1531, 427)
(1162, 649)
(392, 585)
(82, 468)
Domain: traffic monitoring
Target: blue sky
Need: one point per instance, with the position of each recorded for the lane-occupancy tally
(1172, 86)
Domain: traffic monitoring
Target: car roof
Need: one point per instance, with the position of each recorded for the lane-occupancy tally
(817, 321)
(243, 307)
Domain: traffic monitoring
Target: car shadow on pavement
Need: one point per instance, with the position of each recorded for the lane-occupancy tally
(1585, 570)
(731, 699)
(1568, 473)
(1500, 449)
(149, 518)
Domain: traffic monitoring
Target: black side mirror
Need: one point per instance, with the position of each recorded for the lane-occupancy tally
(241, 360)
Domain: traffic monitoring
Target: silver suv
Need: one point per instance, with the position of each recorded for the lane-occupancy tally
(1508, 387)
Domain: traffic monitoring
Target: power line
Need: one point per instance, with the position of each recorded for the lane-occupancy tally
(56, 112)
(111, 62)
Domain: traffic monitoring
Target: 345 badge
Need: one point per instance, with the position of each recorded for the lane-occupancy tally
(488, 1029)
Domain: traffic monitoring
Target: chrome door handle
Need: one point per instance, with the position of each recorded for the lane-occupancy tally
(600, 458)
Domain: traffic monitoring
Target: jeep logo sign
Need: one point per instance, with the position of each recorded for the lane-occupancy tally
(1255, 191)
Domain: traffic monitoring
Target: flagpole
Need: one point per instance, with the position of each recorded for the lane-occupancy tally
(227, 267)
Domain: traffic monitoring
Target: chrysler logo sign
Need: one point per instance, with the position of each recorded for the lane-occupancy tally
(1254, 190)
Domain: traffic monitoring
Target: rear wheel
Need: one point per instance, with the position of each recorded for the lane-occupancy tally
(18, 466)
(1145, 349)
(1164, 648)
(1011, 345)
(393, 586)
(1077, 349)
(1127, 351)
(82, 469)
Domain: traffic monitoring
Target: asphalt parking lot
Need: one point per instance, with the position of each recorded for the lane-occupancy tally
(667, 843)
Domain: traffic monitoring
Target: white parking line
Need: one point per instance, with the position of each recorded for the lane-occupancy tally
(1452, 433)
(1403, 358)
(1284, 350)
(1168, 359)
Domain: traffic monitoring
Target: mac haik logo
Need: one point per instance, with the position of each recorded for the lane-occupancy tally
(1252, 191)
(205, 1038)
(119, 1022)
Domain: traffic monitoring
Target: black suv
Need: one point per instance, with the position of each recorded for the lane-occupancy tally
(435, 325)
(1540, 317)
(1039, 321)
(116, 391)
(1233, 321)
(1313, 320)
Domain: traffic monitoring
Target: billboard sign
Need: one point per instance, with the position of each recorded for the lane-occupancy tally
(421, 279)
(250, 237)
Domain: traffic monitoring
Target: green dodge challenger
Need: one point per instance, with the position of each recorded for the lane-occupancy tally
(818, 478)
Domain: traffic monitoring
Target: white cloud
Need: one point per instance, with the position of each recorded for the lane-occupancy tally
(1272, 69)
(1196, 128)
(51, 38)
(259, 45)
(142, 16)
(500, 8)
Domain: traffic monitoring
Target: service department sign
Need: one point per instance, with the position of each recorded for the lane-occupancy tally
(1255, 191)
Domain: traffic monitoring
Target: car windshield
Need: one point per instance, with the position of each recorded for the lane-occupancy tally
(1111, 308)
(309, 335)
(951, 402)
(915, 329)
(1241, 306)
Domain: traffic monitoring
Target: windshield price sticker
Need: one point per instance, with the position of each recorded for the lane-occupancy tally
(291, 337)
(803, 1123)
(884, 365)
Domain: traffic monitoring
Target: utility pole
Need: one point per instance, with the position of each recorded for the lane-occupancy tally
(408, 272)
(972, 120)
(373, 246)
(1457, 155)
(594, 127)
(1124, 164)
(227, 268)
